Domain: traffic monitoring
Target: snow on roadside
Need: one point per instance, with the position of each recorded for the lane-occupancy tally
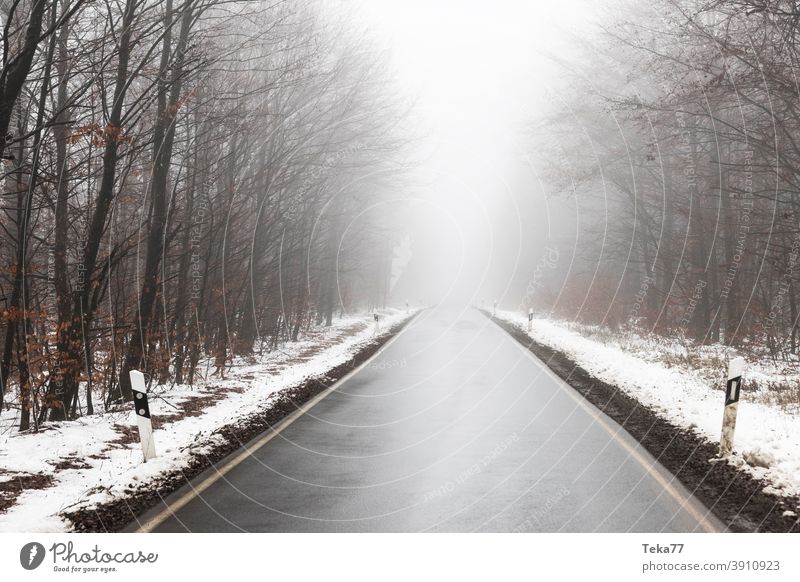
(96, 469)
(767, 439)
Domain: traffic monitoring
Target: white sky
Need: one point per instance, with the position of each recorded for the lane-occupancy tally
(464, 58)
(477, 72)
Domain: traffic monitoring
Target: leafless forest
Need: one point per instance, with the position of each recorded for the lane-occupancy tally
(189, 179)
(678, 135)
(176, 179)
(479, 265)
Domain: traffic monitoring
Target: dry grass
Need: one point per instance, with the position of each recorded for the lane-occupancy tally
(767, 380)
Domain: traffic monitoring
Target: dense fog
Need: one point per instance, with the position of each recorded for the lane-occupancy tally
(189, 179)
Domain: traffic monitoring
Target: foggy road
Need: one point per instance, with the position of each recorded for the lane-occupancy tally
(451, 427)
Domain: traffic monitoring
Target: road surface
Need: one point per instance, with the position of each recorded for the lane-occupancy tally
(452, 427)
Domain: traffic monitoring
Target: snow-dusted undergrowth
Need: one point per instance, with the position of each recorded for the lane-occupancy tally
(685, 385)
(98, 463)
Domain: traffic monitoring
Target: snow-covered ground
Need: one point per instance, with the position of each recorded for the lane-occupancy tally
(95, 459)
(685, 384)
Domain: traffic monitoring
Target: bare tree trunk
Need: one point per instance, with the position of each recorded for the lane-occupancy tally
(81, 316)
(15, 71)
(62, 218)
(162, 154)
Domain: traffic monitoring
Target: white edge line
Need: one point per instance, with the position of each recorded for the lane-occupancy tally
(688, 503)
(169, 511)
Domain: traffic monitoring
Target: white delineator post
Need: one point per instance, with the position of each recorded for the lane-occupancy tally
(143, 415)
(377, 323)
(494, 309)
(732, 389)
(530, 318)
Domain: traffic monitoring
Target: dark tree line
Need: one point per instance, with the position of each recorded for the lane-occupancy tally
(178, 179)
(681, 131)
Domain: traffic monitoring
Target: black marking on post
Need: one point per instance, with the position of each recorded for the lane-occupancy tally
(141, 405)
(732, 390)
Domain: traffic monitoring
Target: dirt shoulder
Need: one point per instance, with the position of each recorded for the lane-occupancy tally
(735, 497)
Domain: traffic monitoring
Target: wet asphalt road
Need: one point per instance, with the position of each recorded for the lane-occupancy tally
(452, 427)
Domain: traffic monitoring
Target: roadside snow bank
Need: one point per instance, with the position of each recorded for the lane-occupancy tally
(98, 458)
(767, 440)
